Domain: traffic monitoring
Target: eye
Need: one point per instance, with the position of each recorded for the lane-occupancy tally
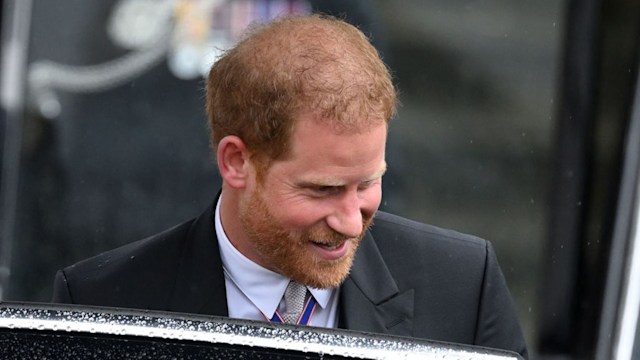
(367, 184)
(325, 190)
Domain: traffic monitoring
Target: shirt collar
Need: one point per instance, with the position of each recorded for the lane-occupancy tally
(263, 287)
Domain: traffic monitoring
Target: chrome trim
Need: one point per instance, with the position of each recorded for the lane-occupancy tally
(627, 326)
(618, 319)
(630, 302)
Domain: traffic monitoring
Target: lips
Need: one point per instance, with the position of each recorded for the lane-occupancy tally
(330, 251)
(327, 246)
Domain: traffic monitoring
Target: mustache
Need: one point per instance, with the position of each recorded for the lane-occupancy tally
(331, 237)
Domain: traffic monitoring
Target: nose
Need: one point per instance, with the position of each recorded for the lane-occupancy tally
(346, 218)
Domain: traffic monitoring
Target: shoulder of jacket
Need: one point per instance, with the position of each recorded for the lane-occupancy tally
(393, 227)
(165, 242)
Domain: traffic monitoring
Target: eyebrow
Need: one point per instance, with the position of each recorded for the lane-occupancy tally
(379, 173)
(332, 182)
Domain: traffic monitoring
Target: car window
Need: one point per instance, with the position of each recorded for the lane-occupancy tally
(65, 332)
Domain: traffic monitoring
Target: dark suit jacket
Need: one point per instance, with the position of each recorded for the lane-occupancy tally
(407, 279)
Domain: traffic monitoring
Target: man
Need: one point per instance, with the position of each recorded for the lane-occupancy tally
(298, 112)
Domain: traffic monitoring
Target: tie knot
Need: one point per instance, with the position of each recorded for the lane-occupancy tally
(294, 299)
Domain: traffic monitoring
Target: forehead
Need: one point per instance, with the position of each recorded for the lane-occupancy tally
(318, 149)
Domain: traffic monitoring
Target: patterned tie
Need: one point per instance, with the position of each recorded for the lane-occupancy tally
(294, 298)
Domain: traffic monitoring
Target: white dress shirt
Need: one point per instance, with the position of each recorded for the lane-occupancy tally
(255, 293)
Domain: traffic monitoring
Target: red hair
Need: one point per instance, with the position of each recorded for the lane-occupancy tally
(308, 64)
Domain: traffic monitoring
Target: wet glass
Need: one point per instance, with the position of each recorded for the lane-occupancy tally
(76, 332)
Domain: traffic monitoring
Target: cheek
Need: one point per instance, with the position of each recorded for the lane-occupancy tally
(300, 216)
(371, 200)
(290, 210)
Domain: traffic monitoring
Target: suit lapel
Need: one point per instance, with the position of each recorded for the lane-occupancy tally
(200, 285)
(370, 299)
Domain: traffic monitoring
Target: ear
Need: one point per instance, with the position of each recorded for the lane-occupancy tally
(234, 161)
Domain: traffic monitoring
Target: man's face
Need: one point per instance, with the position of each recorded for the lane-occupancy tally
(307, 217)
